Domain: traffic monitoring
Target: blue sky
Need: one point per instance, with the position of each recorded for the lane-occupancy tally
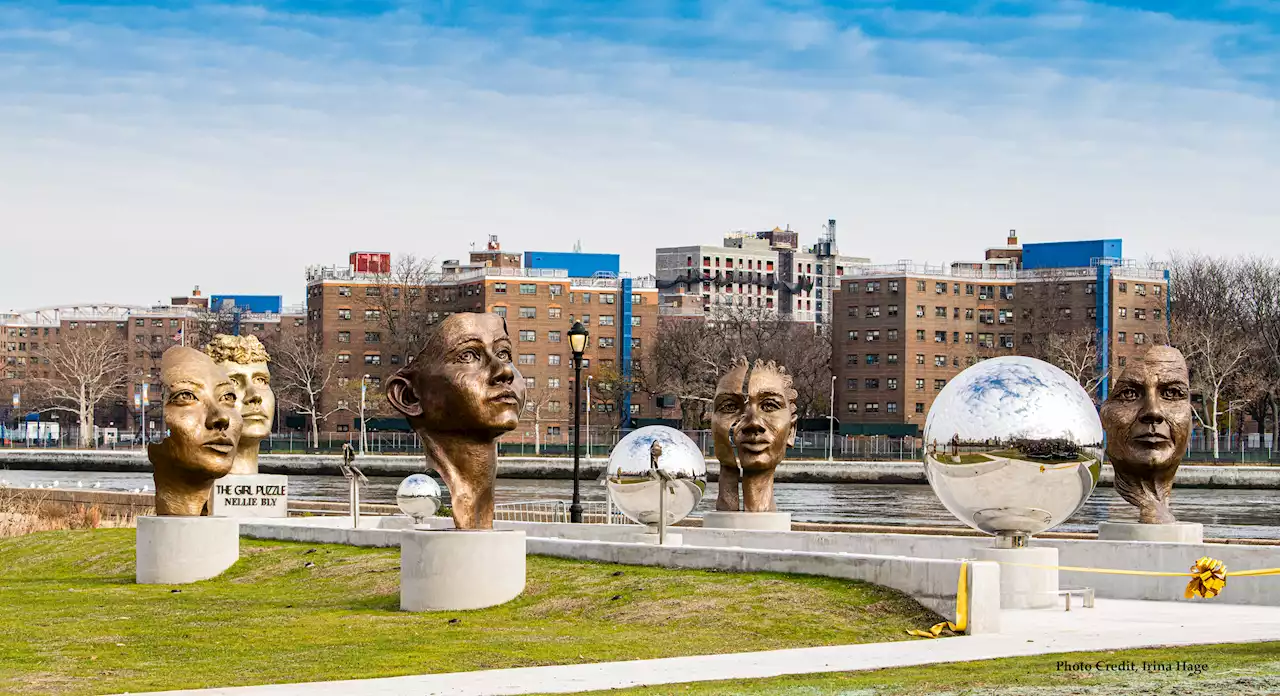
(262, 137)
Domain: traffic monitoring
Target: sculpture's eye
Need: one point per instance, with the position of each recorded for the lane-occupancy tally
(1127, 394)
(504, 355)
(770, 405)
(185, 397)
(1174, 393)
(728, 406)
(228, 398)
(469, 356)
(260, 379)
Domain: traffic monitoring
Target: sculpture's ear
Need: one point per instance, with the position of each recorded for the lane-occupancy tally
(791, 439)
(402, 396)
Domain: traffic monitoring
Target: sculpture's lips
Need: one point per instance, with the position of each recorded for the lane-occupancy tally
(1152, 439)
(755, 446)
(506, 397)
(223, 445)
(259, 416)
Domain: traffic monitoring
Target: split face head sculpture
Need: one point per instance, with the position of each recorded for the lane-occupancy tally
(245, 360)
(460, 394)
(1147, 418)
(753, 422)
(204, 426)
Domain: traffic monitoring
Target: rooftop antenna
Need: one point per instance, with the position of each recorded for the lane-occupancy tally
(577, 247)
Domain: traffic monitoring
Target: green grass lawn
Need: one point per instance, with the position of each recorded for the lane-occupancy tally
(1244, 669)
(74, 622)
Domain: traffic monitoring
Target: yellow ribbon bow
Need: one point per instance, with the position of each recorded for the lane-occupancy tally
(962, 610)
(1209, 576)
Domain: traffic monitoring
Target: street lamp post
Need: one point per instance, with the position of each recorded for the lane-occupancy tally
(831, 430)
(17, 402)
(363, 381)
(146, 401)
(578, 344)
(588, 416)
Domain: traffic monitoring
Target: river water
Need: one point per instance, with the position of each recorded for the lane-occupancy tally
(1253, 514)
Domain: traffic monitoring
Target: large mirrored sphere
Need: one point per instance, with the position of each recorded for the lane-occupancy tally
(1013, 446)
(418, 496)
(635, 483)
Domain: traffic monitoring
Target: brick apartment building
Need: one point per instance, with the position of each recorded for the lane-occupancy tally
(901, 332)
(345, 306)
(767, 270)
(27, 336)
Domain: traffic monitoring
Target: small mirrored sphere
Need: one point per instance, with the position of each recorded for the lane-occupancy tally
(418, 496)
(1013, 446)
(651, 462)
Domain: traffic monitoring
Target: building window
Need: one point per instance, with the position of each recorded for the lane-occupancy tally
(939, 336)
(528, 335)
(1140, 314)
(553, 382)
(891, 383)
(919, 334)
(919, 286)
(1155, 313)
(938, 384)
(873, 358)
(373, 291)
(892, 359)
(893, 310)
(1124, 287)
(395, 360)
(556, 290)
(940, 288)
(1122, 360)
(343, 427)
(891, 406)
(940, 312)
(635, 320)
(1065, 312)
(1006, 340)
(873, 335)
(939, 361)
(372, 359)
(586, 298)
(553, 313)
(893, 334)
(1091, 312)
(919, 358)
(530, 383)
(344, 358)
(606, 320)
(527, 358)
(893, 286)
(873, 311)
(852, 334)
(528, 312)
(606, 298)
(919, 407)
(871, 383)
(136, 322)
(553, 431)
(919, 311)
(968, 337)
(500, 288)
(873, 407)
(372, 315)
(1123, 312)
(344, 337)
(344, 290)
(1090, 288)
(606, 342)
(553, 359)
(850, 384)
(1121, 337)
(500, 311)
(553, 336)
(919, 384)
(1139, 338)
(851, 407)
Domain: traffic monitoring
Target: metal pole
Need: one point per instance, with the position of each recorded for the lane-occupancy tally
(588, 416)
(831, 431)
(575, 510)
(362, 385)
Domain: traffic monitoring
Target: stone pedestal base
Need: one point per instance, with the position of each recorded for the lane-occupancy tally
(762, 521)
(179, 550)
(1022, 587)
(651, 537)
(449, 570)
(1178, 532)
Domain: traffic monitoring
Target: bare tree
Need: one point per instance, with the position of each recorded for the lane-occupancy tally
(87, 367)
(692, 354)
(302, 371)
(210, 323)
(1076, 353)
(1209, 328)
(538, 401)
(399, 297)
(1261, 286)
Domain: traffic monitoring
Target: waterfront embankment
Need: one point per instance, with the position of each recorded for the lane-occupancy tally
(792, 471)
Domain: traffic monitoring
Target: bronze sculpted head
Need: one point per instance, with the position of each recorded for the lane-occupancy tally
(245, 360)
(204, 430)
(1147, 418)
(753, 422)
(460, 394)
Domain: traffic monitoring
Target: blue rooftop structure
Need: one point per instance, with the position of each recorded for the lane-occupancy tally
(578, 265)
(1079, 254)
(260, 304)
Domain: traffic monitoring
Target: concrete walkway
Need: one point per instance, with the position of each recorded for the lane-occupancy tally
(1110, 625)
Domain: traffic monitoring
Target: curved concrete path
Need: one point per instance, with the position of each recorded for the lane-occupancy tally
(1110, 625)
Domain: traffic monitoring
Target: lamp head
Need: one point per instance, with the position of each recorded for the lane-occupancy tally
(578, 339)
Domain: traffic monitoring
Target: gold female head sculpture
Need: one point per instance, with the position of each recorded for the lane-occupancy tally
(460, 394)
(245, 360)
(753, 422)
(1147, 418)
(204, 430)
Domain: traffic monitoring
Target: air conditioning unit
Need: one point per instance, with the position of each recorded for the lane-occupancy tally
(982, 297)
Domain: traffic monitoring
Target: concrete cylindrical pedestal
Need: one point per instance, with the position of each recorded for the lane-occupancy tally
(177, 550)
(1177, 532)
(651, 537)
(1022, 587)
(451, 569)
(761, 521)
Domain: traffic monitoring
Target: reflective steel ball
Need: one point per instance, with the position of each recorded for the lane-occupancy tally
(418, 496)
(652, 461)
(1013, 446)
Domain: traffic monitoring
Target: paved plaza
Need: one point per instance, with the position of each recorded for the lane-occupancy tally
(1110, 625)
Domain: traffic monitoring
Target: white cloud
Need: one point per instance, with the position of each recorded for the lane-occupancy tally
(312, 136)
